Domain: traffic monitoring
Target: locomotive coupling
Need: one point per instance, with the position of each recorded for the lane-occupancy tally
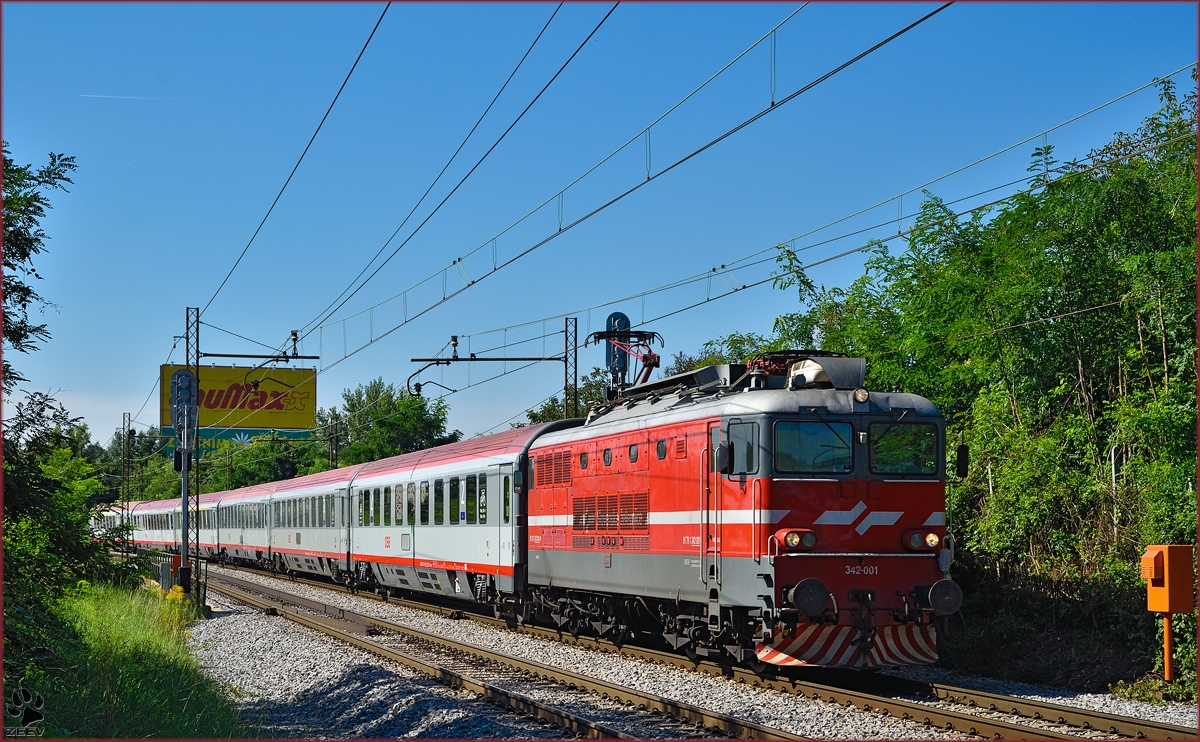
(811, 596)
(945, 597)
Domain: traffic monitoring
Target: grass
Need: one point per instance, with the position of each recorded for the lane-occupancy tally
(120, 668)
(1153, 689)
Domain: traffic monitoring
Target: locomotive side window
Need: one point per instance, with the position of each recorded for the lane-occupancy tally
(472, 503)
(425, 503)
(608, 457)
(743, 440)
(483, 498)
(633, 453)
(813, 447)
(410, 504)
(583, 460)
(660, 450)
(903, 448)
(506, 486)
(439, 502)
(455, 500)
(387, 506)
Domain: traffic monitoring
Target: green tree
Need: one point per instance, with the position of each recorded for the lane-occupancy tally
(25, 192)
(591, 393)
(381, 420)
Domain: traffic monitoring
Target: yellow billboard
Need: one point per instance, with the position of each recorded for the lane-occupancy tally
(264, 398)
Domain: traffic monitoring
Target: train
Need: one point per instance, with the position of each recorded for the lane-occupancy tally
(769, 513)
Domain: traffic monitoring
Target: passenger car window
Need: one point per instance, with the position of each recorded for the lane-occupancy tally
(387, 506)
(455, 500)
(439, 502)
(471, 501)
(507, 487)
(483, 498)
(425, 503)
(813, 447)
(903, 448)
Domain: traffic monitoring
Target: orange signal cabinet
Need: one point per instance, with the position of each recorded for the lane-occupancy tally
(1170, 578)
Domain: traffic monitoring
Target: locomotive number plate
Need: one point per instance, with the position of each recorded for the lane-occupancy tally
(862, 569)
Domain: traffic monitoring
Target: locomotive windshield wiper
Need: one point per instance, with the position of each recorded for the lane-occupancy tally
(890, 428)
(831, 429)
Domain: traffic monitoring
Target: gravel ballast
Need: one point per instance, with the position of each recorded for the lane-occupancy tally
(290, 681)
(1182, 714)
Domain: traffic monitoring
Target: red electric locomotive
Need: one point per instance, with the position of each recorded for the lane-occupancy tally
(779, 513)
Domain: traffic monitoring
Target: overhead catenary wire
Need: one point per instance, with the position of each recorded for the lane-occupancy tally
(276, 349)
(300, 160)
(644, 131)
(953, 216)
(740, 263)
(448, 295)
(474, 167)
(462, 144)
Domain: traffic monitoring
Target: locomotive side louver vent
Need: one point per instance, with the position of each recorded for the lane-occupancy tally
(681, 447)
(553, 468)
(613, 513)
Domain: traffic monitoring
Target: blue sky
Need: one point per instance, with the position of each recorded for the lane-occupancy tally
(186, 119)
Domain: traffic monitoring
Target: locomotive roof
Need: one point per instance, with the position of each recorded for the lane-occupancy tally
(688, 404)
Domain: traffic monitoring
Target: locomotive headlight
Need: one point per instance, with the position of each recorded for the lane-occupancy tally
(914, 540)
(932, 540)
(808, 539)
(792, 539)
(861, 395)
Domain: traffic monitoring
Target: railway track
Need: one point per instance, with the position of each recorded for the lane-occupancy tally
(491, 674)
(939, 705)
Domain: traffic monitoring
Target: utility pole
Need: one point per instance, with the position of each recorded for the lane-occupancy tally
(192, 535)
(185, 417)
(570, 367)
(126, 466)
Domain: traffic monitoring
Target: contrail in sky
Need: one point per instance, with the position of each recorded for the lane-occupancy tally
(126, 97)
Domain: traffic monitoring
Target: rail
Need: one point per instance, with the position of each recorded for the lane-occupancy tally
(350, 626)
(875, 692)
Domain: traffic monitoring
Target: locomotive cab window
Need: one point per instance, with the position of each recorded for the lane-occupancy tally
(813, 447)
(743, 442)
(903, 448)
